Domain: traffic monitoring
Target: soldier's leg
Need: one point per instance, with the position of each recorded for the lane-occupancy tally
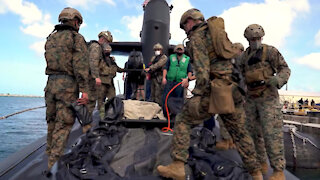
(92, 95)
(111, 92)
(64, 122)
(194, 112)
(272, 122)
(102, 91)
(226, 141)
(255, 129)
(235, 124)
(50, 117)
(158, 93)
(153, 89)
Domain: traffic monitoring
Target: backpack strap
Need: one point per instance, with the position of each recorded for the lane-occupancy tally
(264, 52)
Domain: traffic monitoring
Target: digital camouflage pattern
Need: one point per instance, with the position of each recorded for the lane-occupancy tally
(264, 119)
(156, 78)
(224, 134)
(95, 57)
(67, 67)
(108, 70)
(195, 110)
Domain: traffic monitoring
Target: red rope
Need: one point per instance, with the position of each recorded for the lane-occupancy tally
(166, 129)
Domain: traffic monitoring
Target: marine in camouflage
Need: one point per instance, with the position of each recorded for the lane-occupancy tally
(156, 77)
(205, 59)
(108, 70)
(67, 68)
(263, 110)
(95, 57)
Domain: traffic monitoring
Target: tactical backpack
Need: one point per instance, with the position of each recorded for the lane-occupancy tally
(221, 97)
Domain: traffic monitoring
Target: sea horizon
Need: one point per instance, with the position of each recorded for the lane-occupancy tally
(19, 95)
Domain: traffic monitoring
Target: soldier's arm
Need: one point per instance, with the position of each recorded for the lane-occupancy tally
(160, 64)
(280, 66)
(119, 69)
(201, 65)
(81, 63)
(95, 52)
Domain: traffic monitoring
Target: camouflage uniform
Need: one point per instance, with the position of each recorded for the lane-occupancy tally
(224, 134)
(67, 67)
(108, 70)
(263, 110)
(195, 110)
(95, 57)
(156, 77)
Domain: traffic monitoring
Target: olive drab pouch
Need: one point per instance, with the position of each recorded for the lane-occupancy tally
(222, 45)
(221, 99)
(255, 75)
(259, 74)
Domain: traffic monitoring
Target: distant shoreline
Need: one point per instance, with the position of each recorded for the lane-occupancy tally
(19, 95)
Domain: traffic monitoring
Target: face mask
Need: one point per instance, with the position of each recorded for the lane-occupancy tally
(254, 45)
(107, 54)
(179, 53)
(157, 53)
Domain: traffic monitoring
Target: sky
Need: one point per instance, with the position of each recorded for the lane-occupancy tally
(292, 26)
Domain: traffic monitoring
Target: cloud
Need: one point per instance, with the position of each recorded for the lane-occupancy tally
(317, 38)
(86, 4)
(34, 22)
(28, 11)
(134, 24)
(2, 8)
(310, 60)
(38, 47)
(275, 16)
(40, 29)
(179, 7)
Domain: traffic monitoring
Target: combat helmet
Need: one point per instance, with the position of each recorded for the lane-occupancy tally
(253, 31)
(107, 35)
(177, 47)
(157, 46)
(193, 13)
(69, 13)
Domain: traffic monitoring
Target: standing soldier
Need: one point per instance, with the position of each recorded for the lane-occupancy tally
(107, 89)
(212, 64)
(226, 141)
(67, 67)
(108, 70)
(97, 67)
(158, 61)
(265, 72)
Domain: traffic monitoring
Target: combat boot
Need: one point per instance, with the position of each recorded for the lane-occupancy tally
(222, 145)
(277, 175)
(264, 168)
(256, 175)
(175, 170)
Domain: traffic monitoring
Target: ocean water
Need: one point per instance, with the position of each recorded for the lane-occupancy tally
(22, 129)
